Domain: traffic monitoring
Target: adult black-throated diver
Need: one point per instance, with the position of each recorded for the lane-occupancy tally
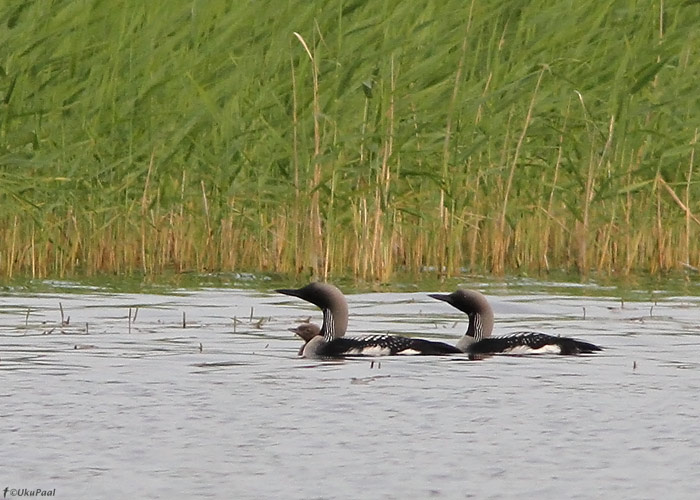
(478, 341)
(331, 342)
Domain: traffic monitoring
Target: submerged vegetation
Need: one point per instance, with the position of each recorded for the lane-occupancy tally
(352, 138)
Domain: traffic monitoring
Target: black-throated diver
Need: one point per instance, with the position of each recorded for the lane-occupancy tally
(332, 343)
(477, 341)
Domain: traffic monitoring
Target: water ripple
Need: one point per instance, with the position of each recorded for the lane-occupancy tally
(224, 407)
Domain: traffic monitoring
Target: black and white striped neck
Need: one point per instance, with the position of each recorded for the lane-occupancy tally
(476, 327)
(328, 327)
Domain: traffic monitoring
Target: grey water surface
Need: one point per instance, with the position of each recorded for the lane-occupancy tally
(101, 406)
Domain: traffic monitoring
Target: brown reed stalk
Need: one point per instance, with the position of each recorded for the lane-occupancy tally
(389, 139)
(13, 248)
(479, 109)
(365, 247)
(297, 212)
(477, 229)
(76, 243)
(687, 197)
(295, 130)
(445, 228)
(315, 229)
(500, 257)
(207, 218)
(605, 259)
(493, 237)
(450, 118)
(677, 199)
(33, 253)
(628, 213)
(385, 248)
(329, 242)
(144, 205)
(593, 167)
(659, 226)
(555, 178)
(376, 234)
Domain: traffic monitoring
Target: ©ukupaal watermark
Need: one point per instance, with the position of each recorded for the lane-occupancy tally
(27, 492)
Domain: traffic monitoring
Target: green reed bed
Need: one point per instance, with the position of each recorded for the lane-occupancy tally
(354, 138)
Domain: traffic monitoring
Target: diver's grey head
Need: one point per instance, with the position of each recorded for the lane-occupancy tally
(323, 295)
(332, 303)
(475, 305)
(467, 301)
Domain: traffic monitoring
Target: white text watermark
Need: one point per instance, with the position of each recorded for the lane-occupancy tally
(27, 492)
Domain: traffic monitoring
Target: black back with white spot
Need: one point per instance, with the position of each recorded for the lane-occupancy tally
(354, 346)
(532, 340)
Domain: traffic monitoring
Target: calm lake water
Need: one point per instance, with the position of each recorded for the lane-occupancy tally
(104, 407)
